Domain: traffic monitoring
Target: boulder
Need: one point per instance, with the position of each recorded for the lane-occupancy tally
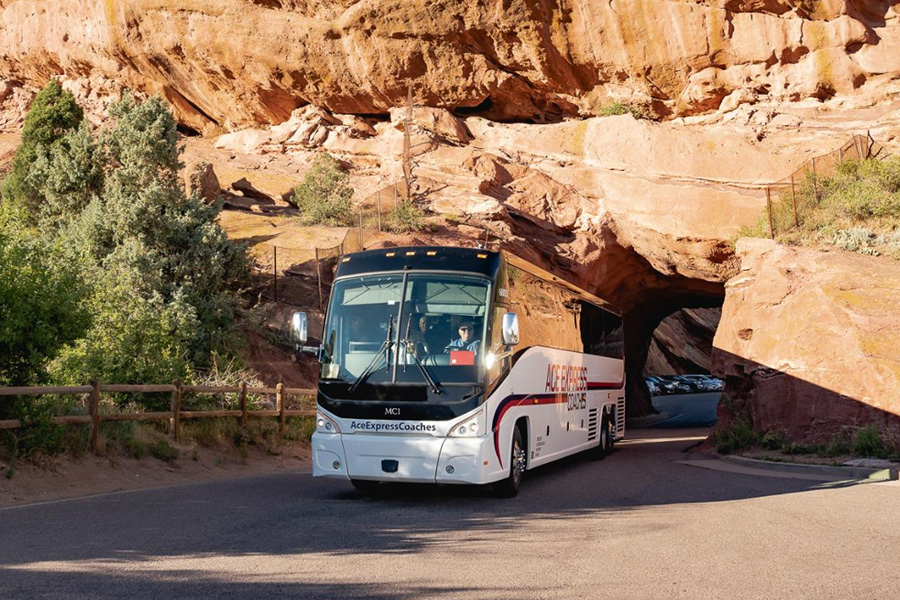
(246, 188)
(809, 342)
(440, 122)
(202, 180)
(247, 141)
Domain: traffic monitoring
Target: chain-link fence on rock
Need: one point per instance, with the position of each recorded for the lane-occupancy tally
(303, 276)
(788, 192)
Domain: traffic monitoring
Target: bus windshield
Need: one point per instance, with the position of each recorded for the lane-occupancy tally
(406, 329)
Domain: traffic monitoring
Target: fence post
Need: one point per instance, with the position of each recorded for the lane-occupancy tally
(319, 278)
(176, 410)
(361, 247)
(794, 203)
(378, 204)
(275, 273)
(243, 404)
(279, 402)
(769, 210)
(95, 414)
(815, 179)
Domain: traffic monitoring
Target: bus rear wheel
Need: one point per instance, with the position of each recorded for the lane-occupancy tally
(509, 487)
(606, 440)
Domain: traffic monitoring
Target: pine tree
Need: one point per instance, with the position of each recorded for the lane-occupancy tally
(52, 114)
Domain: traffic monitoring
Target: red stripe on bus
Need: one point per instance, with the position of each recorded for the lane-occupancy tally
(532, 399)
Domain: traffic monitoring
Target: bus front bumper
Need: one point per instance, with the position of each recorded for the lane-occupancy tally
(414, 459)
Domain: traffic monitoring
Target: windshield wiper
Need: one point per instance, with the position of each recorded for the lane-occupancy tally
(411, 349)
(384, 351)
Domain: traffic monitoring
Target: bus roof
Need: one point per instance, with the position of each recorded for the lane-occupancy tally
(451, 258)
(437, 258)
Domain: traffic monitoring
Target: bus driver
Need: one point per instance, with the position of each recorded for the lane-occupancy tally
(466, 340)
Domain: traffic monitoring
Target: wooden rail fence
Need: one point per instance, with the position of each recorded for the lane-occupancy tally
(174, 415)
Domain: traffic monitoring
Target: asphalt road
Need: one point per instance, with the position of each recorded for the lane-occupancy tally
(636, 525)
(685, 410)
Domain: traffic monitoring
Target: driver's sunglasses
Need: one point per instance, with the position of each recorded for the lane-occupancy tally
(467, 329)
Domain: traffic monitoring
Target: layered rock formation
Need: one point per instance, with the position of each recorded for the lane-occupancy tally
(810, 341)
(233, 63)
(640, 212)
(683, 342)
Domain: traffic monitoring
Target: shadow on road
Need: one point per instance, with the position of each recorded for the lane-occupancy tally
(255, 520)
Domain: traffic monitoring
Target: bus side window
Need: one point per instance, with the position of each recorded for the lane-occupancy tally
(496, 347)
(602, 332)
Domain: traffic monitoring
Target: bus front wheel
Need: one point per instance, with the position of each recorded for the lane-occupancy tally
(509, 487)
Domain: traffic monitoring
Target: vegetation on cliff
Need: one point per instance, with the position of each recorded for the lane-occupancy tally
(52, 116)
(324, 195)
(857, 209)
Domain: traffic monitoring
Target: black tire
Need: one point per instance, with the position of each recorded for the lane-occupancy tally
(509, 487)
(610, 437)
(605, 444)
(365, 486)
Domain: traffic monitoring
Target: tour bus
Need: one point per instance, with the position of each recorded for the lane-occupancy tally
(461, 366)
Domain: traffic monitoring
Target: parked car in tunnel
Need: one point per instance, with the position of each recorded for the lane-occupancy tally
(701, 383)
(660, 385)
(663, 385)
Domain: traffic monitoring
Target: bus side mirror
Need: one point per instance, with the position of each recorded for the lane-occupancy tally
(298, 328)
(510, 329)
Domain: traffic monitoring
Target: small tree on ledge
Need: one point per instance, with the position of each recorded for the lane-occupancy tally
(324, 196)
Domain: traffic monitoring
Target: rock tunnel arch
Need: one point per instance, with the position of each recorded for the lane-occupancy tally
(646, 294)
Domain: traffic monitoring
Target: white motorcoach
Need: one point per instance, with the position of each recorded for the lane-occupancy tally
(461, 365)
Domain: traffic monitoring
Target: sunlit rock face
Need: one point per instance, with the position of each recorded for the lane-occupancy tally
(509, 133)
(809, 342)
(235, 63)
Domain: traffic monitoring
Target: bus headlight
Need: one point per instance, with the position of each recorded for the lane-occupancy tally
(468, 427)
(326, 425)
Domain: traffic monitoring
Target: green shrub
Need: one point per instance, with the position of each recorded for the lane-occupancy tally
(838, 446)
(163, 269)
(52, 114)
(324, 196)
(795, 448)
(616, 107)
(299, 428)
(774, 440)
(868, 442)
(132, 340)
(406, 217)
(856, 239)
(41, 302)
(163, 451)
(739, 435)
(38, 436)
